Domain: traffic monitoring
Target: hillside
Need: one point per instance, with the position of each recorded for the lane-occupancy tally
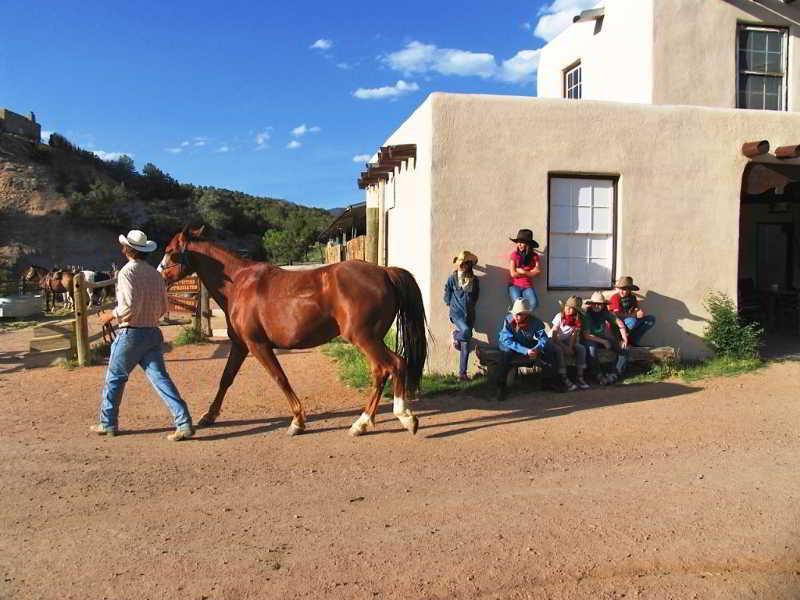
(61, 205)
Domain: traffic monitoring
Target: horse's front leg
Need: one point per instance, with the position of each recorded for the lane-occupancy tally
(235, 359)
(266, 356)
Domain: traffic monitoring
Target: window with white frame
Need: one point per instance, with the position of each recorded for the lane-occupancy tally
(572, 81)
(761, 59)
(581, 248)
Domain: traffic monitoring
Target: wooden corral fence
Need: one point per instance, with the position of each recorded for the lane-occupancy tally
(355, 249)
(68, 338)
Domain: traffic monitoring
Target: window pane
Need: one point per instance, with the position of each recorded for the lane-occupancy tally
(560, 192)
(772, 85)
(603, 193)
(772, 102)
(757, 40)
(559, 246)
(774, 41)
(585, 219)
(600, 247)
(757, 61)
(599, 273)
(601, 223)
(560, 271)
(774, 62)
(584, 193)
(561, 220)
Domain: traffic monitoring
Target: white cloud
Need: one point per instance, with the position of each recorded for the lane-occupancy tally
(109, 156)
(417, 57)
(46, 136)
(294, 144)
(303, 129)
(262, 139)
(174, 150)
(322, 44)
(343, 66)
(184, 144)
(521, 68)
(557, 16)
(223, 149)
(200, 143)
(361, 158)
(388, 91)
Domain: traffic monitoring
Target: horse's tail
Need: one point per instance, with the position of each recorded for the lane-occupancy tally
(412, 326)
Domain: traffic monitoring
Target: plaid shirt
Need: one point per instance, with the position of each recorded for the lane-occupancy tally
(141, 295)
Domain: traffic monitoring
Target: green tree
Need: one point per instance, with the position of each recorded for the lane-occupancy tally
(213, 210)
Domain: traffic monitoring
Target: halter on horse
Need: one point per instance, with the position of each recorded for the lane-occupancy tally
(267, 307)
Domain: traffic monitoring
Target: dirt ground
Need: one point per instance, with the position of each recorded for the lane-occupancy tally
(653, 491)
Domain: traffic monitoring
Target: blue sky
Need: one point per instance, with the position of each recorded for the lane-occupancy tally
(274, 99)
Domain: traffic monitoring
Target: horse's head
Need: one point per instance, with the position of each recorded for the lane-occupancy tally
(176, 265)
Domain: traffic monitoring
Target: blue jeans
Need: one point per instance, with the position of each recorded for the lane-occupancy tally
(594, 363)
(528, 293)
(638, 327)
(551, 358)
(462, 335)
(141, 346)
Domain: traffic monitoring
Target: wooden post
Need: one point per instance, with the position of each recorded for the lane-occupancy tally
(373, 219)
(205, 311)
(81, 300)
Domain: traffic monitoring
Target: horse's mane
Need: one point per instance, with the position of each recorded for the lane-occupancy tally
(218, 249)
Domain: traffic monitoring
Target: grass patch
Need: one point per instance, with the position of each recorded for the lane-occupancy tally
(13, 324)
(354, 371)
(188, 335)
(720, 366)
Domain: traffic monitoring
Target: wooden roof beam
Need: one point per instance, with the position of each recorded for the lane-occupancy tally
(787, 151)
(753, 149)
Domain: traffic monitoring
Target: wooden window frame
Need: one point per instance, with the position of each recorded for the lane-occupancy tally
(614, 179)
(564, 73)
(784, 31)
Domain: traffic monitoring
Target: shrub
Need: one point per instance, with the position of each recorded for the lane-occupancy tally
(188, 335)
(726, 334)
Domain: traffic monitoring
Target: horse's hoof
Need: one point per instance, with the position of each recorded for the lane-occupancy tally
(295, 429)
(410, 422)
(361, 424)
(207, 420)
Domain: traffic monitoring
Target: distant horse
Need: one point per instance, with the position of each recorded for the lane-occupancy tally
(267, 307)
(98, 295)
(51, 283)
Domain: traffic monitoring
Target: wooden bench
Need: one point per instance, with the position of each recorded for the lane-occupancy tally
(489, 359)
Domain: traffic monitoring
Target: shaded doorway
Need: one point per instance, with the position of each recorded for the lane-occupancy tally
(769, 253)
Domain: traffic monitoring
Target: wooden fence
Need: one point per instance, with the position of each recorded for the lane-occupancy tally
(355, 249)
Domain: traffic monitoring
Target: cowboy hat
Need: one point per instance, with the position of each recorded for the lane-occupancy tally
(465, 256)
(520, 307)
(626, 283)
(526, 236)
(571, 302)
(138, 241)
(597, 298)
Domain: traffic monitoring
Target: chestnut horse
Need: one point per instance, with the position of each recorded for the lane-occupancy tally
(267, 307)
(51, 283)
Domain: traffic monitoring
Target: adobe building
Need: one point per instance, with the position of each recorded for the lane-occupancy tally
(27, 127)
(646, 154)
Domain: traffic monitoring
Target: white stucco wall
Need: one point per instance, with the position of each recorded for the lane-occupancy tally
(407, 202)
(616, 62)
(679, 171)
(694, 48)
(666, 51)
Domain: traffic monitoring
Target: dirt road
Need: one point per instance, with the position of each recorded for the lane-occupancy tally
(655, 491)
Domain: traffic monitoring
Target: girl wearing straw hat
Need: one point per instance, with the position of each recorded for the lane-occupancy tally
(523, 266)
(461, 293)
(566, 333)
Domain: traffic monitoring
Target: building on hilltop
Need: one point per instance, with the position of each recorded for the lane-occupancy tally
(27, 127)
(647, 155)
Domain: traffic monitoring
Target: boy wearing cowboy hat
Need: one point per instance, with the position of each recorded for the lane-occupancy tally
(461, 292)
(522, 333)
(523, 266)
(141, 301)
(625, 305)
(598, 333)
